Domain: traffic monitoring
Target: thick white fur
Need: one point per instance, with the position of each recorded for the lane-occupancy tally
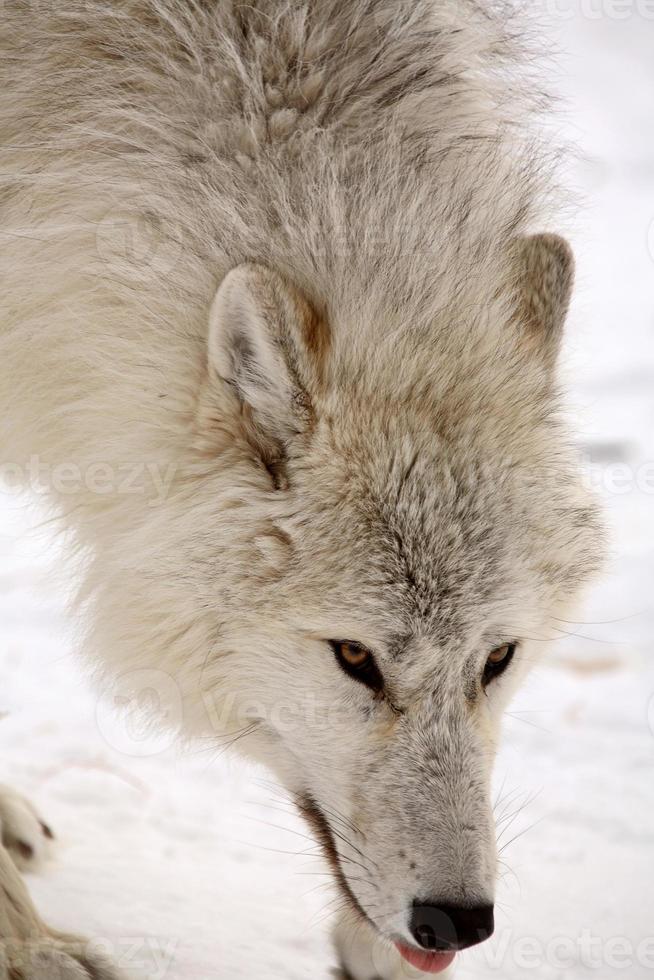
(392, 470)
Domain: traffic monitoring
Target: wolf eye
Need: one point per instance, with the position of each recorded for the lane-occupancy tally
(498, 661)
(359, 663)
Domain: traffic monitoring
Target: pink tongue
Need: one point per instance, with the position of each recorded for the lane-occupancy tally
(426, 962)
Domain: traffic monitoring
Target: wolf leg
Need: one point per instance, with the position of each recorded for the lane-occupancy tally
(29, 950)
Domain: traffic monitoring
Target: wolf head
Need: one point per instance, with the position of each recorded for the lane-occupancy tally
(425, 527)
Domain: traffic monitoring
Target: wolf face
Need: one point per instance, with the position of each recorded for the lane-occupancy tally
(425, 527)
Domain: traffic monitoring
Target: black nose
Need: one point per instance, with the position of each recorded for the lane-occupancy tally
(447, 927)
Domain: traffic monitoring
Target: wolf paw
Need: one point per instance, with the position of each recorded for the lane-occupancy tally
(29, 949)
(53, 960)
(22, 831)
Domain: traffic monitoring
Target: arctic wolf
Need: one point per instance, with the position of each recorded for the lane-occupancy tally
(278, 331)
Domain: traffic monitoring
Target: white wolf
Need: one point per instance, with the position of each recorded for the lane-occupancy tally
(278, 335)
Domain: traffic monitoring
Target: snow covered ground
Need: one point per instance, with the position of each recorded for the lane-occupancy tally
(192, 868)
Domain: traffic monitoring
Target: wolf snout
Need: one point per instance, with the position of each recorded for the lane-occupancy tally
(436, 926)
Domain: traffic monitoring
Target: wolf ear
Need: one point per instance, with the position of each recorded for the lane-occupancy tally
(545, 276)
(261, 331)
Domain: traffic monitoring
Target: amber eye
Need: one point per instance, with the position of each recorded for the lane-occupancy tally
(498, 661)
(358, 662)
(354, 655)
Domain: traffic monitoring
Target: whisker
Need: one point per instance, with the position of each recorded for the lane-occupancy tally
(603, 622)
(276, 826)
(226, 745)
(582, 636)
(505, 802)
(525, 721)
(520, 834)
(511, 818)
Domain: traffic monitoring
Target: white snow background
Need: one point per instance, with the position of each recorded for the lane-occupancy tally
(190, 866)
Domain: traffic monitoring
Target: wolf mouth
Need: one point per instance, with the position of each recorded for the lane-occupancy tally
(427, 961)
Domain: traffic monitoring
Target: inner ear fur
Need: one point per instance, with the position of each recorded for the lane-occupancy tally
(269, 346)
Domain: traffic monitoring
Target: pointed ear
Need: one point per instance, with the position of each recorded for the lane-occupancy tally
(545, 277)
(265, 342)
